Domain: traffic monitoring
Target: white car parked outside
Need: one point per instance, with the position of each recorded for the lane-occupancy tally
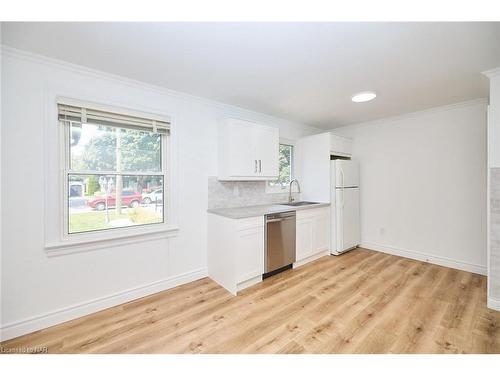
(155, 196)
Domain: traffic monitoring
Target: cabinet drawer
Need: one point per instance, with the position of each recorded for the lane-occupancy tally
(312, 212)
(249, 222)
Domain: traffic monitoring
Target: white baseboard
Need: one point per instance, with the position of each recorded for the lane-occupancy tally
(15, 329)
(493, 304)
(417, 255)
(311, 258)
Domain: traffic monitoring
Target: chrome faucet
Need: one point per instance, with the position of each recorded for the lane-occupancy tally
(290, 198)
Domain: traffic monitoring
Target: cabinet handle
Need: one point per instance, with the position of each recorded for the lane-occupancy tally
(255, 171)
(260, 165)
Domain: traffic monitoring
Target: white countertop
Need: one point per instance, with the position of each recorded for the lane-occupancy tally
(260, 210)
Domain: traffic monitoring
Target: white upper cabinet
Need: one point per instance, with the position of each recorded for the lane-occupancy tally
(268, 152)
(340, 145)
(312, 163)
(238, 151)
(247, 151)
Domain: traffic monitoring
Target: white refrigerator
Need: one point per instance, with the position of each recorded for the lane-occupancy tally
(344, 190)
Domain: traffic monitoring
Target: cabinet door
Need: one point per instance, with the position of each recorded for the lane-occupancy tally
(321, 233)
(250, 253)
(304, 238)
(242, 157)
(268, 151)
(340, 145)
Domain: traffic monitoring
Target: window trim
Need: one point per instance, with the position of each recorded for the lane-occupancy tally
(66, 243)
(67, 171)
(280, 189)
(100, 240)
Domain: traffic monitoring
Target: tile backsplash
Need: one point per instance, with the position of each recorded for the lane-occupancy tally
(225, 194)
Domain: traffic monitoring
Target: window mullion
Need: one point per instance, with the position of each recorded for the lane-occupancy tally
(114, 173)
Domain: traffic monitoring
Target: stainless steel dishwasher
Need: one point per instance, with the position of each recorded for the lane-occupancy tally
(279, 242)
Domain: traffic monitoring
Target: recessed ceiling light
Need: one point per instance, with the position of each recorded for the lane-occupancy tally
(364, 96)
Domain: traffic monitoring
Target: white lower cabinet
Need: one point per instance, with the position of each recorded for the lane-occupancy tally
(236, 246)
(321, 234)
(313, 232)
(304, 237)
(235, 251)
(250, 253)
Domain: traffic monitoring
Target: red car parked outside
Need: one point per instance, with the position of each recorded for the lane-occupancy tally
(129, 198)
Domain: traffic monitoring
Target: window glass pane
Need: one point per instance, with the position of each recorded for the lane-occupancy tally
(104, 148)
(285, 166)
(140, 151)
(97, 206)
(92, 147)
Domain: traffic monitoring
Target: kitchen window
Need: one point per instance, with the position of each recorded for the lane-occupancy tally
(286, 155)
(115, 172)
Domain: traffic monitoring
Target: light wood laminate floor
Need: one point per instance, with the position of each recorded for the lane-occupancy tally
(360, 302)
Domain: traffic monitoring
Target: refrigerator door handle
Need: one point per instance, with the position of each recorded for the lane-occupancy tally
(342, 174)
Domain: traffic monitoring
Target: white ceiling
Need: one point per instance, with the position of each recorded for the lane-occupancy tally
(305, 72)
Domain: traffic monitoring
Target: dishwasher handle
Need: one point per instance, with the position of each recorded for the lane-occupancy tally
(274, 220)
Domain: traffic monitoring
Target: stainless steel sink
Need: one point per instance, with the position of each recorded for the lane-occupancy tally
(302, 203)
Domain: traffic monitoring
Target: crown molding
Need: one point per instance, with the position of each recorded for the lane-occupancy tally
(99, 74)
(79, 69)
(410, 115)
(492, 73)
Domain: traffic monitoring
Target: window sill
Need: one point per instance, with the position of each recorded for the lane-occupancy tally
(89, 242)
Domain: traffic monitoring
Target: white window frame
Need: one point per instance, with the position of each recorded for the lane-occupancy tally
(86, 241)
(283, 189)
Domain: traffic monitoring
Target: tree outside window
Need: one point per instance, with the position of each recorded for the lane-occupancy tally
(285, 168)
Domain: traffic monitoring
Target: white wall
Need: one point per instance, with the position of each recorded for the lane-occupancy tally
(423, 184)
(38, 290)
(494, 128)
(494, 190)
(1, 159)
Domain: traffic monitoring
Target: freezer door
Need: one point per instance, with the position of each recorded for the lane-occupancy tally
(347, 218)
(346, 173)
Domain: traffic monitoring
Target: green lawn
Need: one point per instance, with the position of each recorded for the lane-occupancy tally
(95, 220)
